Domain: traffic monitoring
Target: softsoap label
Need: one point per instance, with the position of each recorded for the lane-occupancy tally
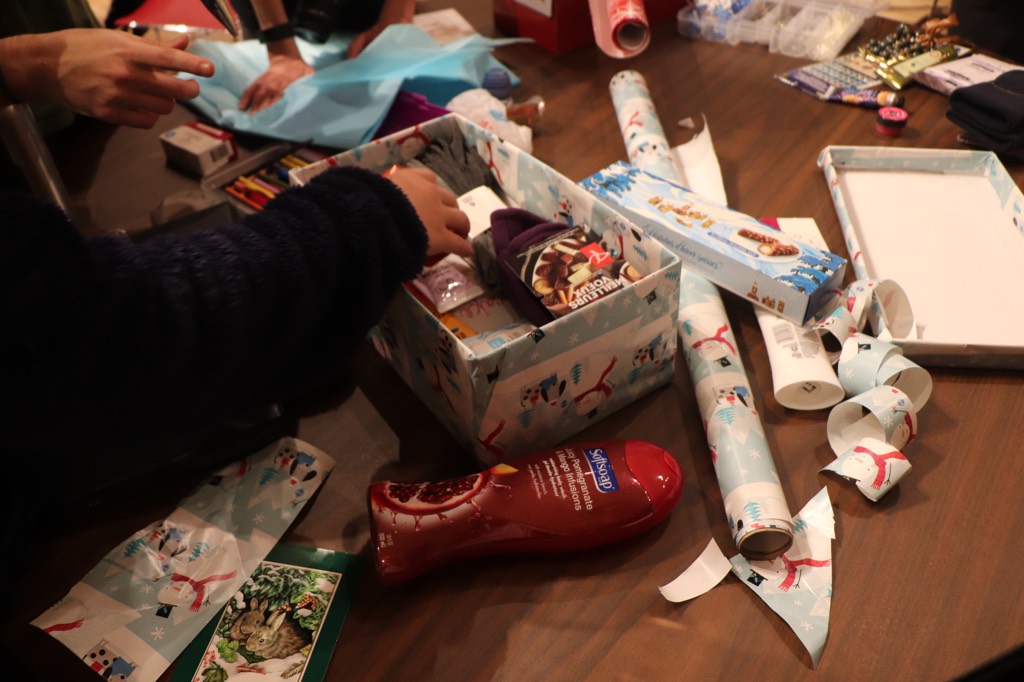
(601, 467)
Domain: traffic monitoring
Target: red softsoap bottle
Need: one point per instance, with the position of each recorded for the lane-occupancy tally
(565, 498)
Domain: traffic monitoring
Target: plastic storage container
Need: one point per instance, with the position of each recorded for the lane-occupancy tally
(821, 29)
(756, 23)
(816, 29)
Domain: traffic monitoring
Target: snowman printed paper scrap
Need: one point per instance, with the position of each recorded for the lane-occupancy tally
(135, 612)
(798, 584)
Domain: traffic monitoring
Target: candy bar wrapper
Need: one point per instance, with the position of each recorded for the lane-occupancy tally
(798, 584)
(139, 608)
(567, 271)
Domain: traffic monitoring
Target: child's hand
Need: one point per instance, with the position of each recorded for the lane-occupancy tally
(447, 226)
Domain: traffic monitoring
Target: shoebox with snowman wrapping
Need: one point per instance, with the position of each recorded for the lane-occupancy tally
(513, 387)
(729, 248)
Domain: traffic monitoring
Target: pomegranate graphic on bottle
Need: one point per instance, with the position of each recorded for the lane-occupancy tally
(561, 499)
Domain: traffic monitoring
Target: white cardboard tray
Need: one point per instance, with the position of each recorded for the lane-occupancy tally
(948, 227)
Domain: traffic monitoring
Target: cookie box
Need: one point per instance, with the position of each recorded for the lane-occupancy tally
(731, 249)
(538, 389)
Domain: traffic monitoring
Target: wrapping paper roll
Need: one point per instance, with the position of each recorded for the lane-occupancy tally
(759, 516)
(755, 504)
(620, 27)
(646, 145)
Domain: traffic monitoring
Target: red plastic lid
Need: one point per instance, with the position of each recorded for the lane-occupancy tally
(892, 116)
(891, 121)
(658, 473)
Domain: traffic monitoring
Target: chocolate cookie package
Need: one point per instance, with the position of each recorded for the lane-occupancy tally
(733, 250)
(568, 270)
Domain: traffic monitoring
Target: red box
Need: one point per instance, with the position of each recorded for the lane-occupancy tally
(569, 26)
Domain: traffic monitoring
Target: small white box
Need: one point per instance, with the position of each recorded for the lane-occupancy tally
(198, 148)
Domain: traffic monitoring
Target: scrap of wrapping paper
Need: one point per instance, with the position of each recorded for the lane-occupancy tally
(345, 101)
(621, 28)
(150, 596)
(796, 585)
(755, 504)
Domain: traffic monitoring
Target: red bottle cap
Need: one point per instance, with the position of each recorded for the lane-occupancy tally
(658, 473)
(891, 121)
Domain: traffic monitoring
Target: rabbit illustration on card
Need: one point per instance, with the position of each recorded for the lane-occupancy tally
(279, 637)
(248, 620)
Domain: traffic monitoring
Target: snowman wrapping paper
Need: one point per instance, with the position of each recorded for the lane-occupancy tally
(149, 597)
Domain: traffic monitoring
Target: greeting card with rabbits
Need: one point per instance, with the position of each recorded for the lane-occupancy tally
(281, 624)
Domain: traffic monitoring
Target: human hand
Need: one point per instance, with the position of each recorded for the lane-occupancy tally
(271, 84)
(111, 75)
(447, 226)
(393, 12)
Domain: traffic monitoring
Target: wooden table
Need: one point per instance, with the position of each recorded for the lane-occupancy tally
(925, 584)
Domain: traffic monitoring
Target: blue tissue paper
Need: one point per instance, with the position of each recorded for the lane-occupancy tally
(344, 102)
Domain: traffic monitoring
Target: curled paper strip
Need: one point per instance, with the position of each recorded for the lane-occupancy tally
(861, 358)
(882, 304)
(620, 27)
(834, 329)
(879, 304)
(907, 376)
(759, 517)
(875, 467)
(867, 362)
(884, 413)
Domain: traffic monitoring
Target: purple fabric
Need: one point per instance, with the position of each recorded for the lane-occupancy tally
(513, 230)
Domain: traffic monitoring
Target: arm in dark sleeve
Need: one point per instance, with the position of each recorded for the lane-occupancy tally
(114, 336)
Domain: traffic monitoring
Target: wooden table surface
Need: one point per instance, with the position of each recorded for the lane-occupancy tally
(925, 584)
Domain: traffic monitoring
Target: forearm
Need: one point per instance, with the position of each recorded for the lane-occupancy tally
(179, 330)
(271, 13)
(27, 67)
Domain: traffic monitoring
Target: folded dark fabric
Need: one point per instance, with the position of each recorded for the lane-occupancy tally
(995, 107)
(1001, 144)
(513, 230)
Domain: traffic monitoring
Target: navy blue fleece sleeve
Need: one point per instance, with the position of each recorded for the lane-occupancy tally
(105, 333)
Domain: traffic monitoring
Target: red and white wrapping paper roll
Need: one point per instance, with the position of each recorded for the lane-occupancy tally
(620, 27)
